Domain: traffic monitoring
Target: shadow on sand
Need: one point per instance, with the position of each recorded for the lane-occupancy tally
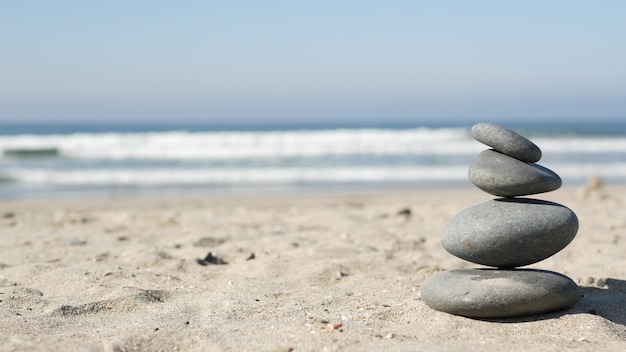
(608, 302)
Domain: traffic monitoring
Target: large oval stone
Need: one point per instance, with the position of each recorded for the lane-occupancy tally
(504, 176)
(506, 141)
(492, 293)
(510, 232)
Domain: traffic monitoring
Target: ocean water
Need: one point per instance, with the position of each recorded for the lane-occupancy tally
(75, 160)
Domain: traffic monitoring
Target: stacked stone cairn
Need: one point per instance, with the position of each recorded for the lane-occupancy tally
(506, 233)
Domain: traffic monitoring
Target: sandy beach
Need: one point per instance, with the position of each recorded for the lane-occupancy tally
(307, 272)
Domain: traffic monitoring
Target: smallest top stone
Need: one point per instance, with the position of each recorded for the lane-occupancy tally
(506, 141)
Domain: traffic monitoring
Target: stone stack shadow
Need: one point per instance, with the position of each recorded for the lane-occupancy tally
(506, 233)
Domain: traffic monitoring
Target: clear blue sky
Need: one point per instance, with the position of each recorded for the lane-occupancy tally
(216, 61)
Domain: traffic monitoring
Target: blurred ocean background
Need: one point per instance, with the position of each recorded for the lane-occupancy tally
(118, 160)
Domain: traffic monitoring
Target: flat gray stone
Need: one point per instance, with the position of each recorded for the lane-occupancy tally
(506, 141)
(504, 176)
(493, 293)
(509, 232)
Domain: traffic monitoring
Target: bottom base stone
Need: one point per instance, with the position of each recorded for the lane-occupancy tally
(499, 293)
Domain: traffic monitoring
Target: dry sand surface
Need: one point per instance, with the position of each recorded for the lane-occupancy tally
(303, 273)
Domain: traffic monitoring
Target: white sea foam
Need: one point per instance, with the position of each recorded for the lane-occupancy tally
(581, 145)
(247, 145)
(236, 176)
(217, 176)
(292, 158)
(285, 144)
